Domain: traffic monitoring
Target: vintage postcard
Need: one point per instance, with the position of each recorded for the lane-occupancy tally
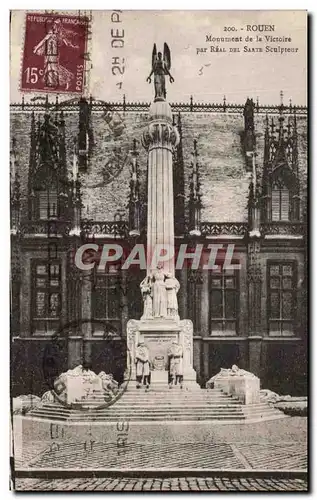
(158, 176)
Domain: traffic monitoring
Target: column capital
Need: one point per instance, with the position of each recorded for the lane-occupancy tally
(160, 134)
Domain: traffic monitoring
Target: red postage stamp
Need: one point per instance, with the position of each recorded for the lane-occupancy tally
(54, 53)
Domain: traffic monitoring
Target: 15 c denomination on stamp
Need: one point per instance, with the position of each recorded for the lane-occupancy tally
(55, 51)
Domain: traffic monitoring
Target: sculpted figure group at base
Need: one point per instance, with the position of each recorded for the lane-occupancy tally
(144, 366)
(159, 291)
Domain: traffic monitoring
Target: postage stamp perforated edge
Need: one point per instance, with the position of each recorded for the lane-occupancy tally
(87, 63)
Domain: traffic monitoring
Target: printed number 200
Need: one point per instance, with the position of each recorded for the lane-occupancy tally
(31, 75)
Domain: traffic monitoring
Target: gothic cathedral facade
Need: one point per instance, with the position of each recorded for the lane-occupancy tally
(79, 175)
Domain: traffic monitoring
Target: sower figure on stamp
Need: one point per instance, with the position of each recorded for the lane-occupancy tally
(160, 68)
(175, 364)
(54, 74)
(142, 365)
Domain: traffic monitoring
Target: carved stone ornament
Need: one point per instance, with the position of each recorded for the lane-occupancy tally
(160, 135)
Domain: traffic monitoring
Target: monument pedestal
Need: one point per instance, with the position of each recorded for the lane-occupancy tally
(159, 379)
(245, 388)
(158, 335)
(244, 385)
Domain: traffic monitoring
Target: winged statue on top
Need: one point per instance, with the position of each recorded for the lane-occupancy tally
(160, 68)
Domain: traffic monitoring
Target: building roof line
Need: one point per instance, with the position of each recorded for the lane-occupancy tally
(40, 104)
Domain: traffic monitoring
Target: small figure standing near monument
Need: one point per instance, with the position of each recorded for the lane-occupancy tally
(172, 286)
(159, 293)
(175, 364)
(160, 68)
(146, 290)
(142, 361)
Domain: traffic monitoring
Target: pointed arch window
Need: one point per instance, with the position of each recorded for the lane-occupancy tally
(46, 206)
(282, 297)
(280, 201)
(106, 298)
(46, 303)
(283, 202)
(224, 302)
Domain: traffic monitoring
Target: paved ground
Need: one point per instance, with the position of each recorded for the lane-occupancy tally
(276, 456)
(275, 445)
(280, 444)
(167, 484)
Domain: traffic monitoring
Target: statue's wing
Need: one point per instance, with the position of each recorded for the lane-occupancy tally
(153, 55)
(167, 56)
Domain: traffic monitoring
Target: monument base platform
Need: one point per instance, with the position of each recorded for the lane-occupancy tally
(159, 408)
(158, 335)
(245, 389)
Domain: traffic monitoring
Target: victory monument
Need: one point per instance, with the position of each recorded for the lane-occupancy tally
(160, 325)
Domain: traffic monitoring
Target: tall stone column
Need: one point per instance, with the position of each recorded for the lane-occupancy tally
(160, 327)
(160, 138)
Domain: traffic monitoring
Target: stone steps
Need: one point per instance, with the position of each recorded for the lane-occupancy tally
(119, 409)
(137, 416)
(169, 398)
(174, 396)
(159, 418)
(160, 406)
(149, 405)
(158, 391)
(153, 411)
(174, 404)
(146, 402)
(158, 399)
